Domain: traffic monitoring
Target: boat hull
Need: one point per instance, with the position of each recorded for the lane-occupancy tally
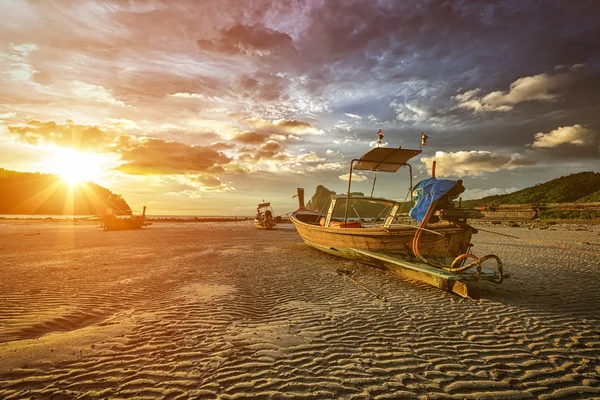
(398, 241)
(112, 223)
(264, 224)
(392, 249)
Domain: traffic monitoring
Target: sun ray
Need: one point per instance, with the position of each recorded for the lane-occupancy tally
(75, 167)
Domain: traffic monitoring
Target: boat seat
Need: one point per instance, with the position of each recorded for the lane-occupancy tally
(340, 224)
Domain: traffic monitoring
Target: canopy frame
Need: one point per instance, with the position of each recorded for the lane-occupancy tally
(381, 159)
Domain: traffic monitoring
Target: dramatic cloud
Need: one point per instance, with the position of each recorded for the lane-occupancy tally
(283, 126)
(69, 134)
(264, 90)
(251, 137)
(576, 135)
(540, 87)
(157, 157)
(256, 40)
(472, 163)
(271, 150)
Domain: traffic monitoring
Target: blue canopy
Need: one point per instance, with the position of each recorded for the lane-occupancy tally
(426, 192)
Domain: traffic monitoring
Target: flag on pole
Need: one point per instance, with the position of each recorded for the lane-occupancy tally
(379, 137)
(424, 138)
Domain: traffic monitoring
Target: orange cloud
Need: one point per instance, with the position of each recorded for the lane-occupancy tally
(248, 40)
(69, 134)
(158, 157)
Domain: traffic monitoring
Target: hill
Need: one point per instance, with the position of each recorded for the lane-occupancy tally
(580, 187)
(46, 194)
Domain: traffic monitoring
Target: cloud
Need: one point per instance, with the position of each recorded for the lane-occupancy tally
(94, 92)
(252, 137)
(146, 156)
(355, 177)
(343, 125)
(408, 112)
(210, 183)
(472, 163)
(285, 126)
(480, 193)
(18, 65)
(254, 40)
(576, 134)
(189, 95)
(354, 116)
(530, 88)
(69, 134)
(327, 167)
(271, 150)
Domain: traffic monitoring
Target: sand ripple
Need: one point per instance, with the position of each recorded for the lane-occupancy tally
(227, 311)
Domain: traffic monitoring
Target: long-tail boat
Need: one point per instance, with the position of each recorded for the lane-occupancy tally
(264, 218)
(433, 248)
(111, 222)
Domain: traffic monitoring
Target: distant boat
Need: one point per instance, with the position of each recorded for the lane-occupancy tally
(434, 251)
(110, 222)
(264, 216)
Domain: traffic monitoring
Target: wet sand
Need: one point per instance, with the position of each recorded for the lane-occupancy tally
(182, 310)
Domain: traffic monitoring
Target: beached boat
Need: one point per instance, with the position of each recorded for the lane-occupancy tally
(111, 222)
(264, 216)
(434, 247)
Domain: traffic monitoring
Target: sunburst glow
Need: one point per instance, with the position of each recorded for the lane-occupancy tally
(75, 167)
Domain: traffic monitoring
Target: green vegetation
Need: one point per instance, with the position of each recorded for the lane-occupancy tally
(580, 187)
(38, 194)
(590, 198)
(569, 214)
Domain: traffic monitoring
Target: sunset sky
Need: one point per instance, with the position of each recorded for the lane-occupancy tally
(208, 107)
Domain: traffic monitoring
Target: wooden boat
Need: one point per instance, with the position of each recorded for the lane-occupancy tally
(435, 251)
(302, 213)
(111, 222)
(264, 216)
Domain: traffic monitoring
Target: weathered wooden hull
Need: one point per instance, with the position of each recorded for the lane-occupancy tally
(118, 224)
(392, 249)
(397, 241)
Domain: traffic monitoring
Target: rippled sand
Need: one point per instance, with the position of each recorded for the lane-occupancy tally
(227, 311)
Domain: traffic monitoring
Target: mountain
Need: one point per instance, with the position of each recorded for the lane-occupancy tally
(580, 187)
(47, 194)
(320, 202)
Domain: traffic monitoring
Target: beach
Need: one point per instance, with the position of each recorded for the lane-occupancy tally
(223, 310)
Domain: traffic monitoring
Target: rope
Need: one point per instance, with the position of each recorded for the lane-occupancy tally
(380, 297)
(542, 243)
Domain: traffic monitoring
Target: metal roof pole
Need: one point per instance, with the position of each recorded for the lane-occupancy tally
(410, 189)
(374, 180)
(348, 195)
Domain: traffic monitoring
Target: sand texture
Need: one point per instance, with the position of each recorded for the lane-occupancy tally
(222, 310)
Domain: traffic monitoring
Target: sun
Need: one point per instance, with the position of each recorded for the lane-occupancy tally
(75, 167)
